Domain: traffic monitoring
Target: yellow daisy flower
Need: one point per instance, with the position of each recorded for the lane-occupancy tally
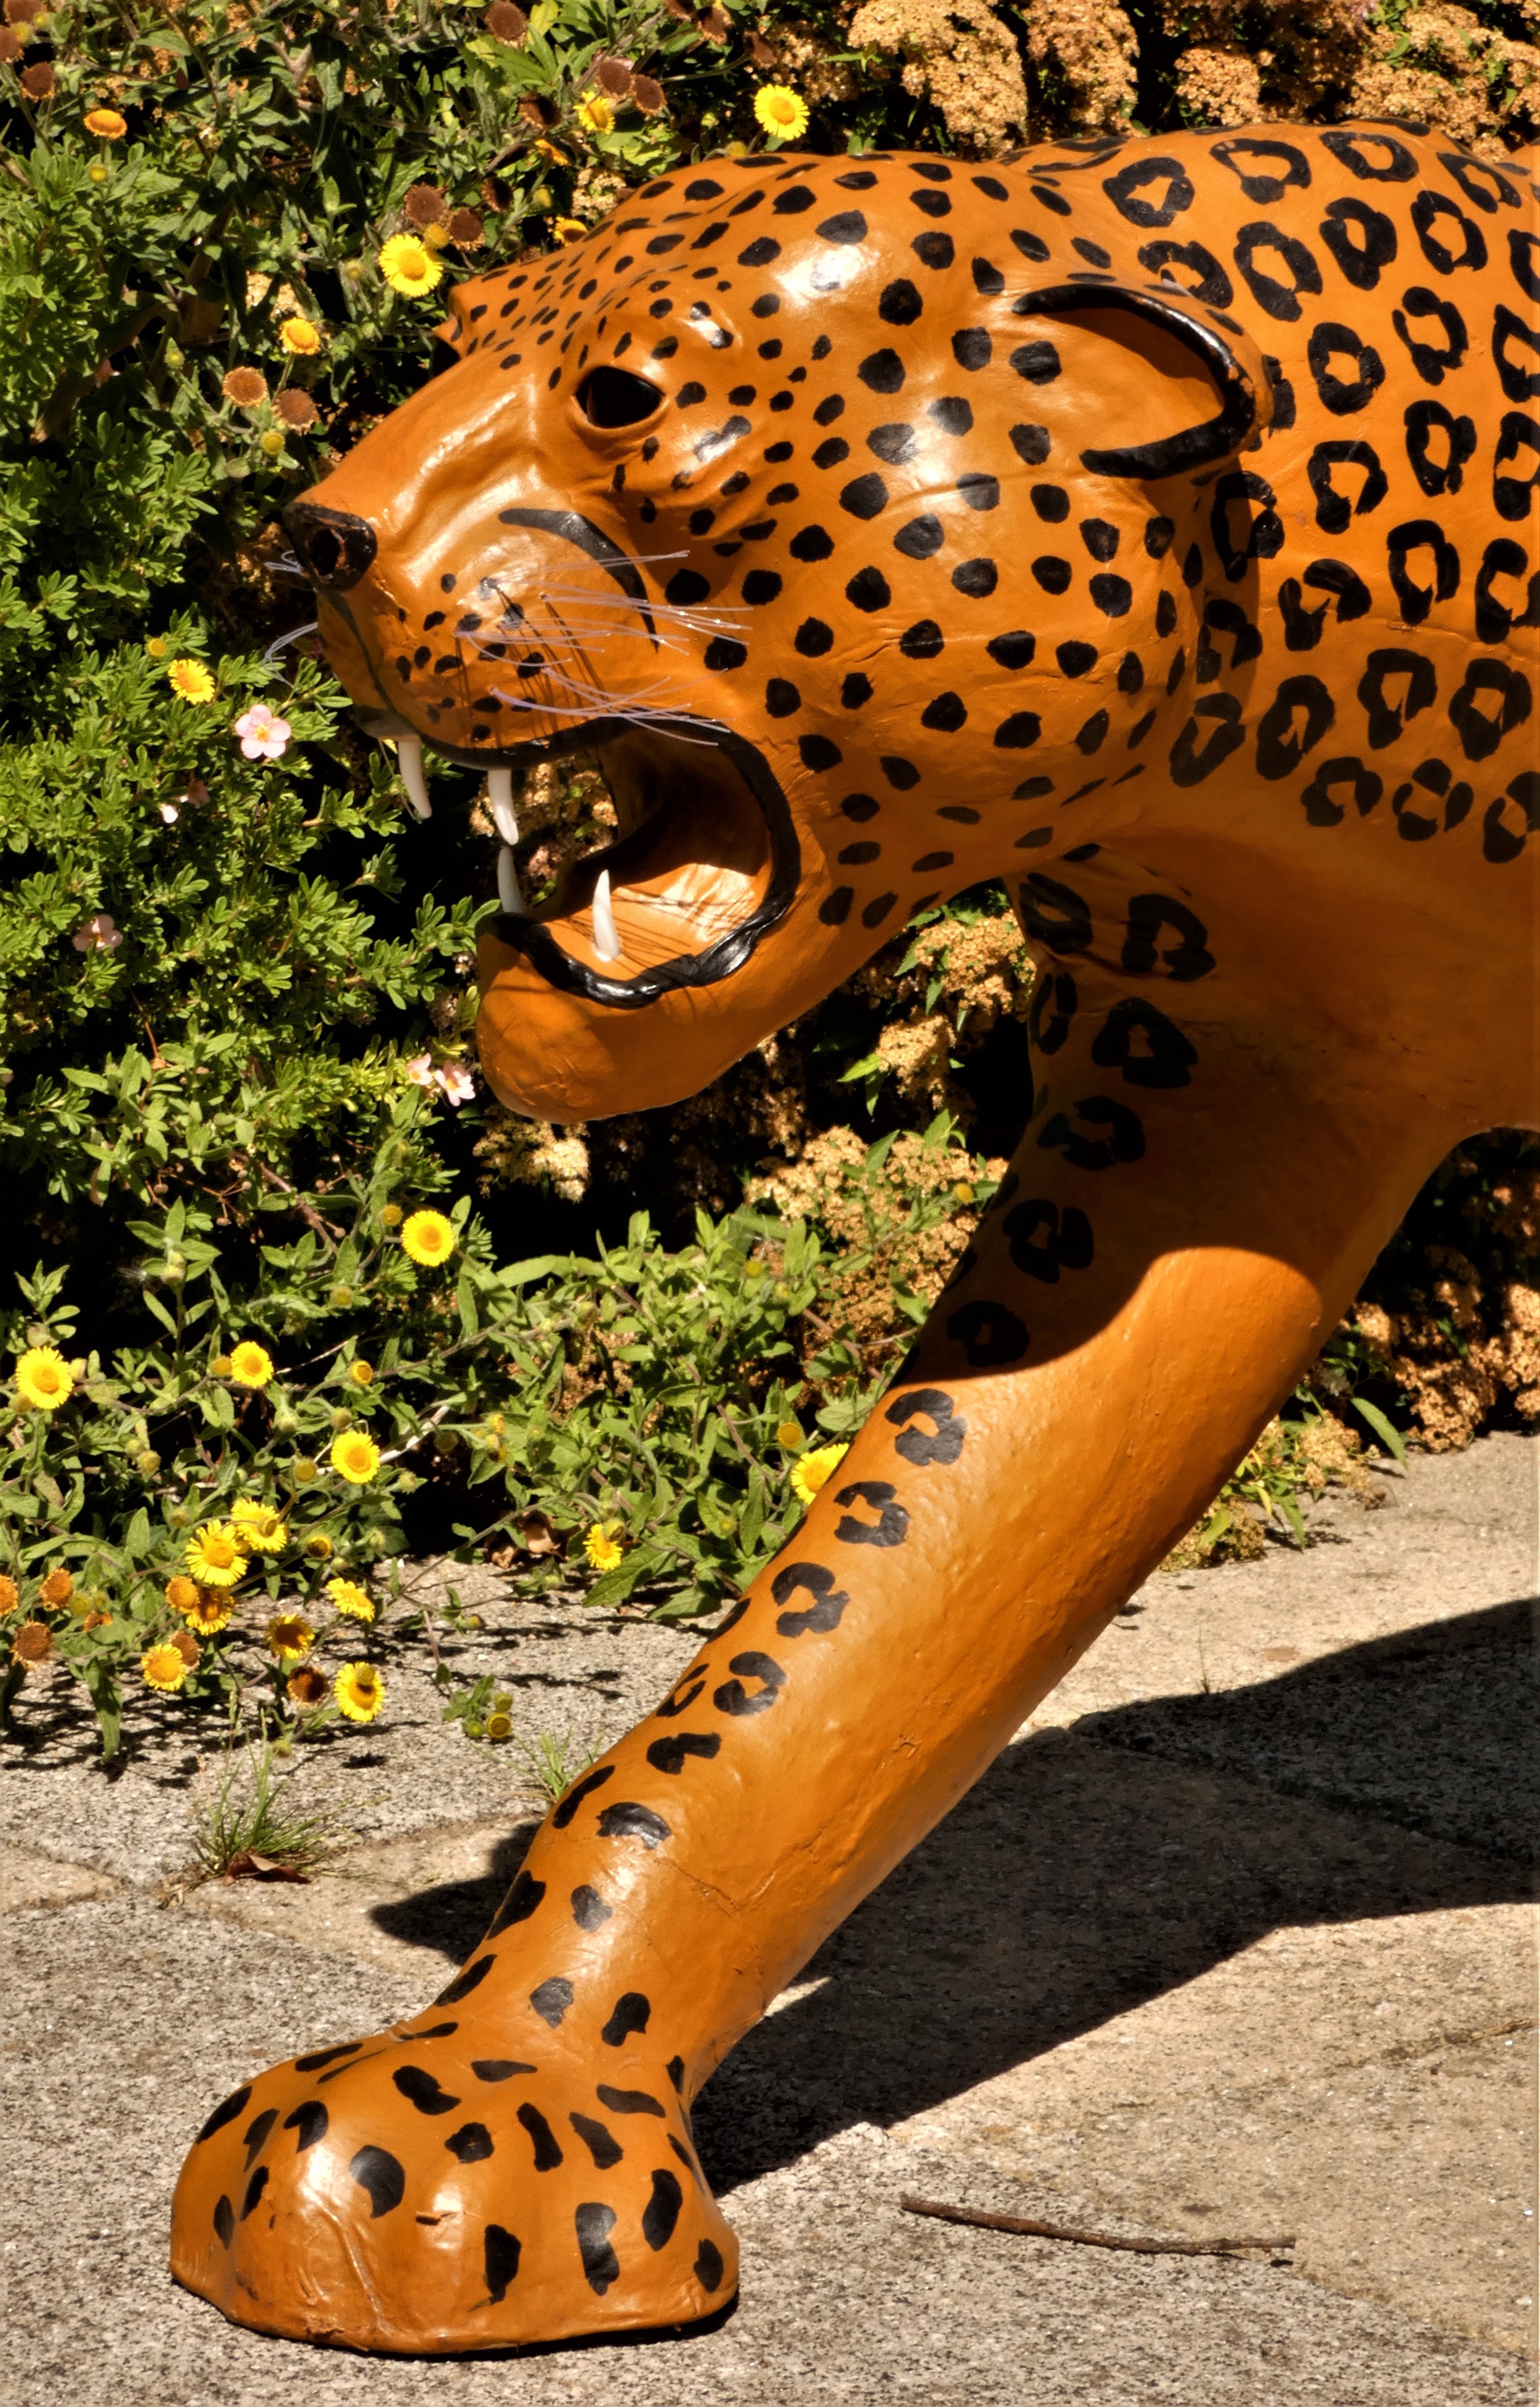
(815, 1470)
(408, 266)
(298, 335)
(43, 1379)
(157, 647)
(191, 680)
(164, 1667)
(217, 1555)
(288, 1636)
(428, 1238)
(250, 1364)
(360, 1692)
(602, 1547)
(781, 112)
(262, 1532)
(356, 1456)
(789, 1434)
(568, 229)
(181, 1593)
(389, 1216)
(499, 1725)
(596, 113)
(105, 124)
(212, 1613)
(348, 1598)
(362, 1373)
(317, 1546)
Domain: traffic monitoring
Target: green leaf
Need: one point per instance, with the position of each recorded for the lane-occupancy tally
(1387, 1432)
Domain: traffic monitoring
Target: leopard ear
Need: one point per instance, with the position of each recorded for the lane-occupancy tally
(475, 290)
(1225, 349)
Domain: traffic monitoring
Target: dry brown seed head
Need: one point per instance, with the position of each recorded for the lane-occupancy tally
(39, 82)
(297, 408)
(32, 1642)
(648, 95)
(246, 387)
(425, 205)
(58, 1588)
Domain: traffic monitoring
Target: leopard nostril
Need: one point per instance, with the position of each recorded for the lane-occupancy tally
(335, 546)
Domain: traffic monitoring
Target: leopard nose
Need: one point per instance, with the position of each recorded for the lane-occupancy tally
(335, 546)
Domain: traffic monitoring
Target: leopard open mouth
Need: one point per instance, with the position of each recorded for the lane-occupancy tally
(707, 861)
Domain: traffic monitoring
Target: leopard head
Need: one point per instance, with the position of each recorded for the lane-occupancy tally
(839, 510)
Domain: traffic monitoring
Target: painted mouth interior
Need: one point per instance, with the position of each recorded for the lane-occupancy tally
(706, 860)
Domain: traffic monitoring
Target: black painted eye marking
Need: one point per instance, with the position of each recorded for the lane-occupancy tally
(631, 1821)
(232, 2106)
(257, 2132)
(892, 1526)
(809, 1579)
(922, 1446)
(989, 1333)
(735, 1699)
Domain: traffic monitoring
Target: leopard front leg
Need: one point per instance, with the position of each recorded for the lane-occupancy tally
(1202, 1184)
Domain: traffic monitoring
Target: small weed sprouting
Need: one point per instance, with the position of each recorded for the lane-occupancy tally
(248, 1830)
(552, 1765)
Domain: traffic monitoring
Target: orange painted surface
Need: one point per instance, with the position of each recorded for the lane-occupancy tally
(1150, 525)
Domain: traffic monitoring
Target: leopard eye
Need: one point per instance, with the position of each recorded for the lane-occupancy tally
(614, 397)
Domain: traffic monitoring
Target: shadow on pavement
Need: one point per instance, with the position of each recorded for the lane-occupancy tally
(1091, 1869)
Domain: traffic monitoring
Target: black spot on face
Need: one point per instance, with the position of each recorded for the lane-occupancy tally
(922, 538)
(978, 578)
(868, 589)
(1014, 650)
(1051, 502)
(500, 2256)
(972, 348)
(881, 371)
(923, 641)
(233, 2104)
(471, 2144)
(309, 2122)
(498, 2068)
(601, 2266)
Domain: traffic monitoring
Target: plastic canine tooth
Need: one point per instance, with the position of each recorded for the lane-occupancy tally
(500, 803)
(607, 939)
(508, 893)
(409, 753)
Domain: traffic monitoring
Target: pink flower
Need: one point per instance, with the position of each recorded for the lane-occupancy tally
(456, 1084)
(420, 1070)
(98, 935)
(170, 814)
(262, 737)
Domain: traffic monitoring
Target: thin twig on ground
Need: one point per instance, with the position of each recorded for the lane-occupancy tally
(1088, 2239)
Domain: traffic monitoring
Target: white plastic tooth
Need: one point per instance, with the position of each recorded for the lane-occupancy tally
(508, 894)
(409, 753)
(500, 801)
(606, 940)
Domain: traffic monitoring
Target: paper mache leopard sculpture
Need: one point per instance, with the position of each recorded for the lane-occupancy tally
(1150, 524)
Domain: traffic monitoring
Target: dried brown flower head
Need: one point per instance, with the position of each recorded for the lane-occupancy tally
(305, 1688)
(716, 24)
(536, 110)
(23, 12)
(296, 409)
(39, 82)
(648, 95)
(759, 51)
(425, 206)
(57, 1588)
(246, 387)
(467, 230)
(10, 48)
(32, 1642)
(681, 10)
(612, 76)
(186, 1646)
(506, 22)
(10, 1595)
